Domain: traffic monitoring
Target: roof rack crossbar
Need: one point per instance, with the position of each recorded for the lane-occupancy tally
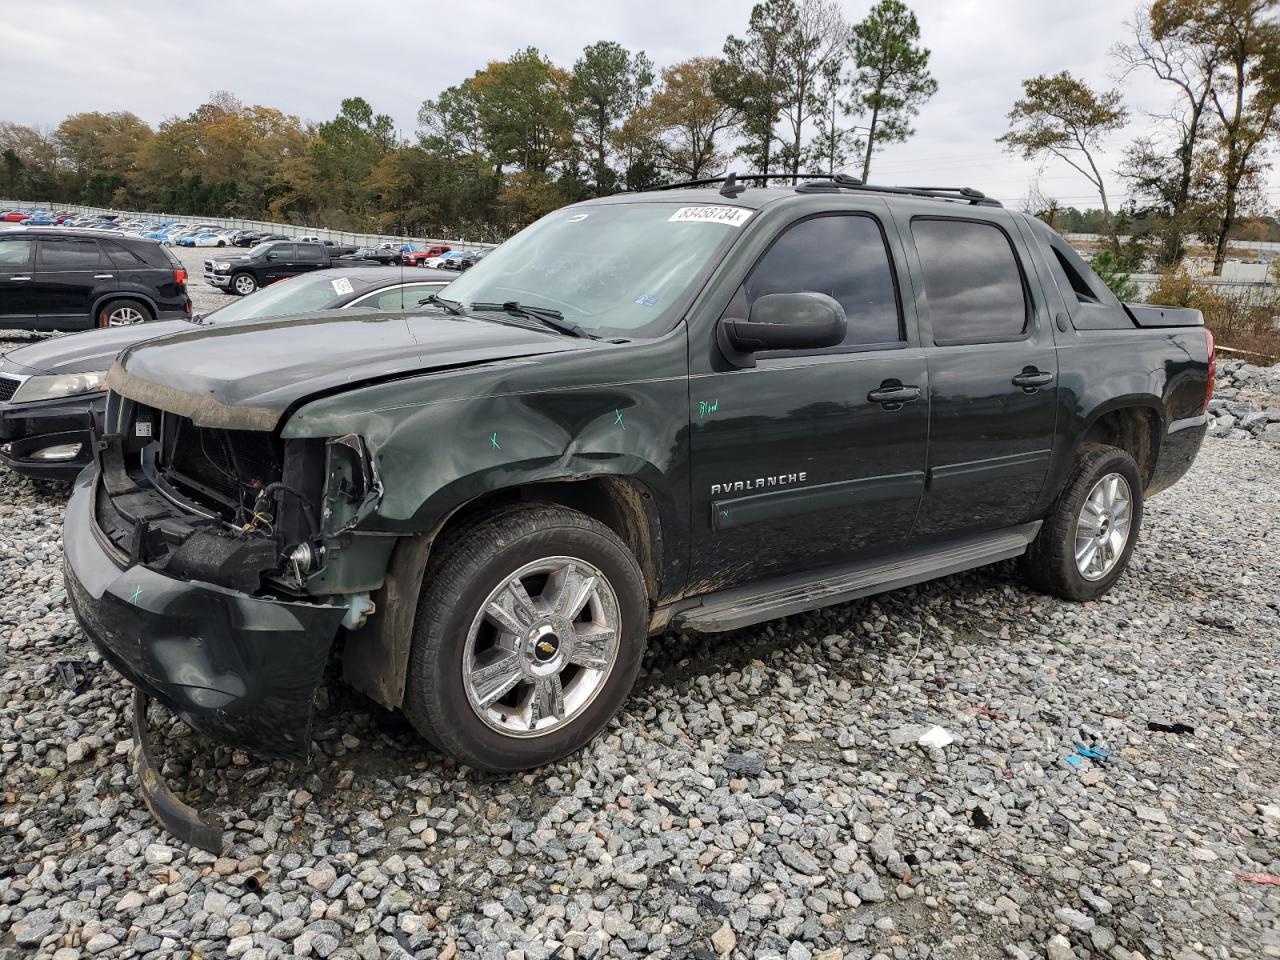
(832, 183)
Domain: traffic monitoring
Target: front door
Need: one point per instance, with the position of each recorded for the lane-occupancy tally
(992, 375)
(17, 309)
(280, 263)
(69, 272)
(812, 458)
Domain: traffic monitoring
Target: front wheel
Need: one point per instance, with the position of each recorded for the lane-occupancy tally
(1090, 532)
(244, 284)
(527, 639)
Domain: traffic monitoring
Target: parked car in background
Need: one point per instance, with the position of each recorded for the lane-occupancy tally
(416, 254)
(446, 261)
(256, 237)
(223, 238)
(464, 262)
(59, 278)
(14, 216)
(376, 254)
(51, 391)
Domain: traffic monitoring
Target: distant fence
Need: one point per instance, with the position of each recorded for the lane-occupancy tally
(341, 237)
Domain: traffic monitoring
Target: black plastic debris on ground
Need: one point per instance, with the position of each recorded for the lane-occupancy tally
(74, 673)
(1155, 726)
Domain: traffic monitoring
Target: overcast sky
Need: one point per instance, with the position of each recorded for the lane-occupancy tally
(160, 59)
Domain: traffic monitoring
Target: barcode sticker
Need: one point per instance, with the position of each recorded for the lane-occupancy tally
(341, 285)
(729, 216)
(142, 428)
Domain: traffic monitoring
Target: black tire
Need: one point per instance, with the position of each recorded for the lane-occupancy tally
(243, 283)
(1050, 562)
(122, 312)
(465, 567)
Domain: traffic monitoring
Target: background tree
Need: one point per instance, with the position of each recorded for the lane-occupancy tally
(892, 79)
(833, 143)
(1241, 39)
(607, 82)
(1161, 170)
(1063, 117)
(750, 81)
(101, 149)
(687, 123)
(813, 49)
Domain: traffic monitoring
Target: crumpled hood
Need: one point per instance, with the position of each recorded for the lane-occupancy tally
(246, 375)
(84, 352)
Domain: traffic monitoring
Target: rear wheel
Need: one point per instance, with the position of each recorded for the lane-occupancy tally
(244, 284)
(122, 313)
(1090, 532)
(527, 639)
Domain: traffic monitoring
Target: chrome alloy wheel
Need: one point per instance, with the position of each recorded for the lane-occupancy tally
(541, 647)
(1103, 527)
(124, 316)
(245, 284)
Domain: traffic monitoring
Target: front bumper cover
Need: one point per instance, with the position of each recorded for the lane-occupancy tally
(242, 669)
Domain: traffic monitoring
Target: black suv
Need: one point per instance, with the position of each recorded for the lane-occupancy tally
(59, 279)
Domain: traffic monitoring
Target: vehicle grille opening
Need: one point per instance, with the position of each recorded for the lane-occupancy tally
(222, 469)
(8, 386)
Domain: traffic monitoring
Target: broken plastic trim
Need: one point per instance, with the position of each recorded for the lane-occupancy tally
(361, 486)
(182, 821)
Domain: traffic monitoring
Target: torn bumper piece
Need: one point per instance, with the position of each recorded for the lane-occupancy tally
(171, 813)
(241, 669)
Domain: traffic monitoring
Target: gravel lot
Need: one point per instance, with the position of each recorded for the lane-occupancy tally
(762, 794)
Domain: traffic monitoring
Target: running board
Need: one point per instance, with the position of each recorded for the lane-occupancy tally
(743, 606)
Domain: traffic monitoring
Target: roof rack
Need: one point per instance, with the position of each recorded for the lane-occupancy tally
(832, 183)
(843, 181)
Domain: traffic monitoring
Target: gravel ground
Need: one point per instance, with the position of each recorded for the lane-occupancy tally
(762, 794)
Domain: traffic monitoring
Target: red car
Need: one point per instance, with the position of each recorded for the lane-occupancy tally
(418, 255)
(13, 216)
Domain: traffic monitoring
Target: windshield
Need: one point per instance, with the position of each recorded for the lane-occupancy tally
(609, 268)
(297, 295)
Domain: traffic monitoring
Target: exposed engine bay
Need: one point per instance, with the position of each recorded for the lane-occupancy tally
(242, 509)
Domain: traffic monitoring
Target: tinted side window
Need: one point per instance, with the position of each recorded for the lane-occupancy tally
(282, 251)
(843, 256)
(68, 254)
(121, 256)
(972, 281)
(15, 252)
(309, 252)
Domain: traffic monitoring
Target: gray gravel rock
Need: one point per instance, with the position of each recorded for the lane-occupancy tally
(749, 801)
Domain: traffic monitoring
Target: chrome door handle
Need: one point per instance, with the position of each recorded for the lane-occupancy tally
(16, 279)
(104, 276)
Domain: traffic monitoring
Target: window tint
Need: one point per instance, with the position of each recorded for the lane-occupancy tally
(1084, 283)
(15, 253)
(121, 256)
(69, 254)
(281, 251)
(309, 251)
(844, 257)
(971, 281)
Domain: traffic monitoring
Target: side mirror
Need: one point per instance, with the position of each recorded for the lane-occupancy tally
(784, 321)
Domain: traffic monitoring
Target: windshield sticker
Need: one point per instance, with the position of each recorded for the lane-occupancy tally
(646, 300)
(729, 216)
(341, 285)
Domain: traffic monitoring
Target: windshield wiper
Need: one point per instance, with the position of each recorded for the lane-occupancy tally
(452, 306)
(545, 315)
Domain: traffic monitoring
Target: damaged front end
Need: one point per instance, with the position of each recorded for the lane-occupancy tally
(201, 561)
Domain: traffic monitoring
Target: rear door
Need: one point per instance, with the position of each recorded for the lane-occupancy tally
(17, 309)
(992, 372)
(310, 256)
(71, 273)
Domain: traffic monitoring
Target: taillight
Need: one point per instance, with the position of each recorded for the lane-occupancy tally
(1213, 368)
(180, 277)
